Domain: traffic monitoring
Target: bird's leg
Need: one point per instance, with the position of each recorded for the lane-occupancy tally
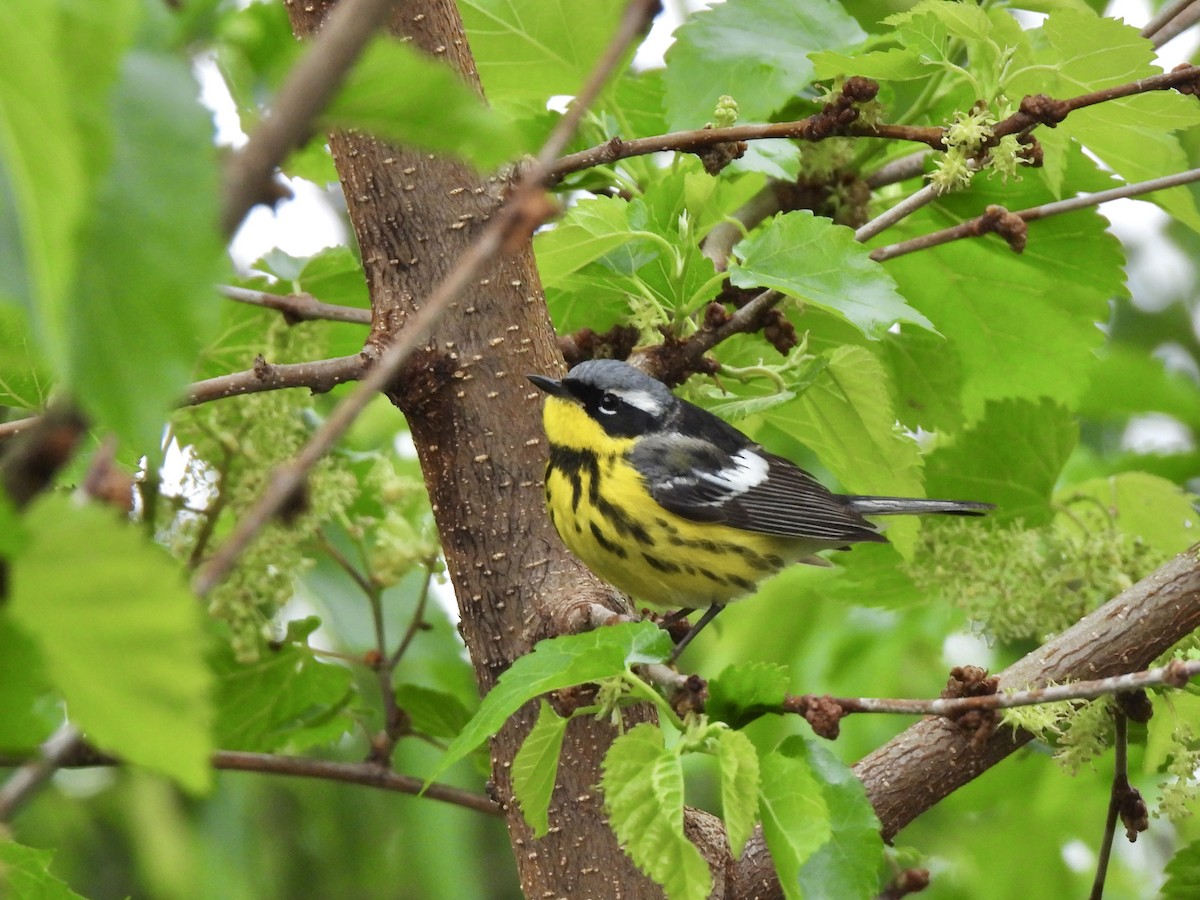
(709, 615)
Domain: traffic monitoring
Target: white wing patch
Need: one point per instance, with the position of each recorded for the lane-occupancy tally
(749, 470)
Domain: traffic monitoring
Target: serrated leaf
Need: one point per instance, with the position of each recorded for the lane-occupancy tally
(1021, 326)
(99, 599)
(147, 265)
(811, 258)
(643, 794)
(399, 94)
(795, 817)
(751, 50)
(591, 229)
(1152, 508)
(529, 50)
(1083, 52)
(896, 64)
(436, 713)
(926, 379)
(1183, 874)
(1011, 458)
(846, 418)
(745, 691)
(284, 699)
(556, 663)
(739, 787)
(25, 874)
(535, 768)
(848, 864)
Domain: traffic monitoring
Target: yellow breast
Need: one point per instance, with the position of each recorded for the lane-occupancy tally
(606, 516)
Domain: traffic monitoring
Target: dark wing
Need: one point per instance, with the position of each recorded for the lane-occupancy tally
(741, 485)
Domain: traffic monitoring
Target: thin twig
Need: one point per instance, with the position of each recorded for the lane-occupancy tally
(298, 307)
(616, 149)
(24, 782)
(17, 426)
(366, 774)
(79, 755)
(416, 622)
(970, 228)
(311, 85)
(1156, 28)
(523, 212)
(318, 376)
(1174, 674)
(1120, 784)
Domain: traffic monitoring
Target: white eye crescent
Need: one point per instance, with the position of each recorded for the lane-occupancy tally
(609, 404)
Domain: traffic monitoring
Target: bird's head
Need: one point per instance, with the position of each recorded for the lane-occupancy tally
(622, 401)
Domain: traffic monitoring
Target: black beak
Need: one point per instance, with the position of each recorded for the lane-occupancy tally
(551, 386)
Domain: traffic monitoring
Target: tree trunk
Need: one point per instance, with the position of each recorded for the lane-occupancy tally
(475, 421)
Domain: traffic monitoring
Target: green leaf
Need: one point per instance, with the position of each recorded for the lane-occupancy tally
(739, 787)
(558, 663)
(849, 863)
(535, 768)
(1021, 326)
(846, 418)
(121, 636)
(284, 699)
(752, 50)
(1011, 458)
(745, 691)
(23, 674)
(795, 817)
(591, 229)
(1127, 381)
(436, 713)
(643, 794)
(54, 140)
(25, 874)
(399, 94)
(144, 305)
(1083, 52)
(1183, 874)
(24, 380)
(1146, 506)
(896, 64)
(529, 50)
(809, 257)
(926, 379)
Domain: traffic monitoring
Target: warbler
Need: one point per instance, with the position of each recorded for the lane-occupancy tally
(675, 507)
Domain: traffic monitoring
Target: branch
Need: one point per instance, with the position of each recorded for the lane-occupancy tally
(309, 88)
(24, 782)
(988, 222)
(699, 139)
(932, 758)
(79, 755)
(830, 710)
(299, 307)
(366, 774)
(320, 376)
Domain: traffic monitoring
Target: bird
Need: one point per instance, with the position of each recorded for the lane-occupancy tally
(675, 507)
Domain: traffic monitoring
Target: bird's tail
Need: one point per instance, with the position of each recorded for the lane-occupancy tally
(890, 506)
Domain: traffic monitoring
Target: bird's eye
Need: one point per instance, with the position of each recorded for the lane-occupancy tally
(609, 404)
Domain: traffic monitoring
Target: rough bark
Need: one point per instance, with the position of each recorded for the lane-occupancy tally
(475, 421)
